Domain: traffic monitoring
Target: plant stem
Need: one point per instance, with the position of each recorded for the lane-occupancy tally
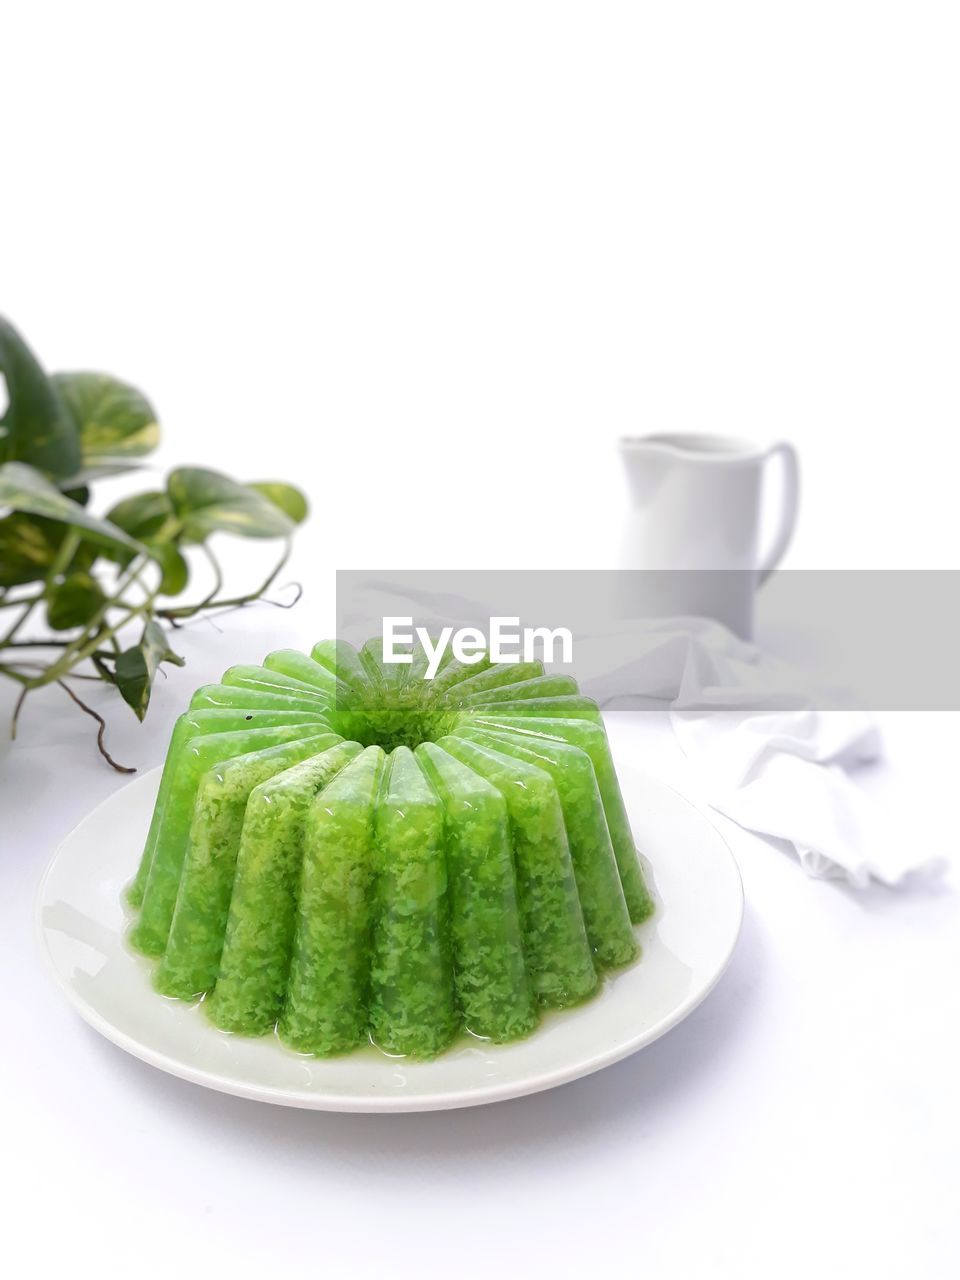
(66, 552)
(120, 768)
(38, 666)
(18, 622)
(12, 604)
(45, 644)
(190, 610)
(82, 647)
(72, 656)
(104, 671)
(7, 670)
(98, 641)
(16, 710)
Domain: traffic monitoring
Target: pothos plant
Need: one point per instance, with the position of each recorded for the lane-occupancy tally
(103, 588)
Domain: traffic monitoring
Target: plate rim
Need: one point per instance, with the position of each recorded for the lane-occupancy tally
(318, 1100)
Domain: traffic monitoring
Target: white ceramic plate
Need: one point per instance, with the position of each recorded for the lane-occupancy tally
(686, 947)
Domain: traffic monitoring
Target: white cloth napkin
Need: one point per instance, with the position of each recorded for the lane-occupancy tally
(782, 771)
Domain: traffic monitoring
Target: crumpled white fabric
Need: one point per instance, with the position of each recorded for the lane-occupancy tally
(783, 771)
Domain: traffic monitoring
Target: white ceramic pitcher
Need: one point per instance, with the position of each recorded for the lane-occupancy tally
(696, 503)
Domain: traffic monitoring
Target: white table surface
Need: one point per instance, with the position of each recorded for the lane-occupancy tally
(806, 1115)
(424, 260)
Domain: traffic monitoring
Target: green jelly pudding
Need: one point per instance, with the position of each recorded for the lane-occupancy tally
(344, 852)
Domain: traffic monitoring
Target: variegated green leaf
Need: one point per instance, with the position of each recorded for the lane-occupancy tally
(291, 501)
(74, 601)
(23, 488)
(114, 420)
(208, 501)
(37, 428)
(137, 666)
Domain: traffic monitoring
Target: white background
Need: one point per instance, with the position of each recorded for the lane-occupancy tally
(430, 261)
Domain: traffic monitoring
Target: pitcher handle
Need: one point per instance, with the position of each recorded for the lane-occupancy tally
(790, 501)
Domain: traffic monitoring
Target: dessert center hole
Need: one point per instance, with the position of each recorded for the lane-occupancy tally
(391, 725)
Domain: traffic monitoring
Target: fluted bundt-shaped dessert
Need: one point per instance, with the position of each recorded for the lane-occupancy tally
(349, 852)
